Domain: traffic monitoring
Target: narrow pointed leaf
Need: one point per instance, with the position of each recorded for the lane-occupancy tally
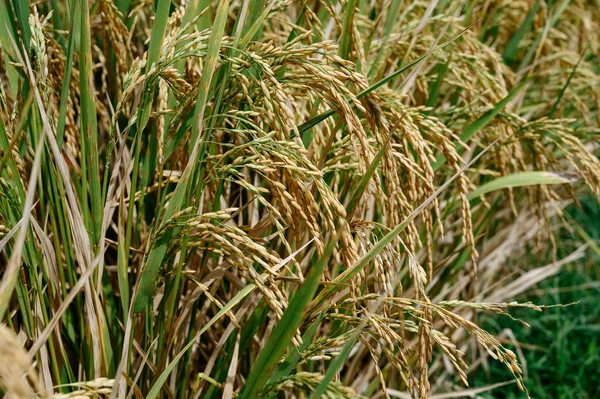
(147, 284)
(523, 179)
(285, 329)
(482, 121)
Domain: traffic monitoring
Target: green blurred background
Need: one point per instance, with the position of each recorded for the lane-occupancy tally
(560, 350)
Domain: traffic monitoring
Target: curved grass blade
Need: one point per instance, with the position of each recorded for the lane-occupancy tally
(481, 122)
(364, 181)
(147, 284)
(346, 39)
(64, 91)
(390, 21)
(562, 91)
(257, 21)
(413, 63)
(89, 127)
(510, 52)
(22, 11)
(434, 93)
(336, 365)
(282, 335)
(295, 355)
(524, 179)
(156, 40)
(534, 46)
(155, 390)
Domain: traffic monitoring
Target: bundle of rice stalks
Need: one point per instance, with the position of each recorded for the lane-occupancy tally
(281, 198)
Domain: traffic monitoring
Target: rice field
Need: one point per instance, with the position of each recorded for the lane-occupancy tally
(287, 198)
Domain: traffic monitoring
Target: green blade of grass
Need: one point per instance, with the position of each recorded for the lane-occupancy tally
(157, 38)
(390, 21)
(255, 18)
(564, 88)
(585, 237)
(156, 41)
(434, 93)
(257, 21)
(155, 390)
(523, 179)
(283, 332)
(192, 9)
(294, 33)
(147, 282)
(364, 180)
(22, 11)
(336, 365)
(8, 33)
(347, 28)
(290, 363)
(89, 127)
(481, 122)
(123, 7)
(534, 46)
(510, 52)
(486, 118)
(312, 122)
(412, 63)
(64, 92)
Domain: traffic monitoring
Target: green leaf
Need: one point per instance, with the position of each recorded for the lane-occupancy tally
(89, 128)
(157, 38)
(564, 88)
(155, 390)
(290, 363)
(411, 64)
(147, 284)
(534, 46)
(481, 122)
(486, 118)
(282, 335)
(64, 92)
(388, 29)
(524, 179)
(510, 52)
(336, 365)
(257, 21)
(347, 28)
(146, 287)
(364, 180)
(434, 93)
(8, 36)
(22, 10)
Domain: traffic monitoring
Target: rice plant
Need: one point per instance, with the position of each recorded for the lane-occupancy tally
(283, 198)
